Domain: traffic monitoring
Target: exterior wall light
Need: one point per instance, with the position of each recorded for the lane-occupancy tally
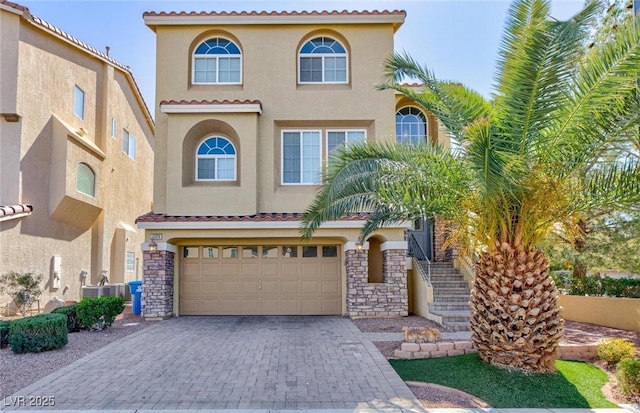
(153, 247)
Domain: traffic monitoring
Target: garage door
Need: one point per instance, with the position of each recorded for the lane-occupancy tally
(269, 280)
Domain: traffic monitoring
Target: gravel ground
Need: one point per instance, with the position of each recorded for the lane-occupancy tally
(20, 370)
(393, 324)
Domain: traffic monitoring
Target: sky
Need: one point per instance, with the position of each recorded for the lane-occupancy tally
(457, 39)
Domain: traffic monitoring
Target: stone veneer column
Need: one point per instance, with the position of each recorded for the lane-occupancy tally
(388, 298)
(157, 281)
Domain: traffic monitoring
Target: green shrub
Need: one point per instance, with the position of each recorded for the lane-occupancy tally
(99, 313)
(23, 288)
(612, 350)
(74, 324)
(600, 287)
(628, 373)
(38, 333)
(4, 333)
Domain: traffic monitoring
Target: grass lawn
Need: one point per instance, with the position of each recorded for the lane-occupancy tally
(574, 385)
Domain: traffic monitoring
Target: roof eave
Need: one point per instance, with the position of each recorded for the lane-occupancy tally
(183, 20)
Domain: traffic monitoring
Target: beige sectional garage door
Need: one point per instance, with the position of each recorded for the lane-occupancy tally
(269, 280)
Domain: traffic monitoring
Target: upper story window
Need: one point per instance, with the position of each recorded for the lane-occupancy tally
(218, 61)
(322, 60)
(301, 157)
(85, 180)
(216, 160)
(128, 144)
(411, 126)
(336, 138)
(114, 128)
(78, 102)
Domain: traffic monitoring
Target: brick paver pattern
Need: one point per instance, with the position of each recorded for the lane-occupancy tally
(232, 363)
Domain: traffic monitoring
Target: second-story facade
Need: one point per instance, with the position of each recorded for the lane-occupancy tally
(249, 106)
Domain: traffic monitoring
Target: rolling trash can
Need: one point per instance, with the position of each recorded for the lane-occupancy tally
(135, 287)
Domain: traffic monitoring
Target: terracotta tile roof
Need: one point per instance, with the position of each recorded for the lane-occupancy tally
(281, 13)
(210, 102)
(14, 5)
(77, 42)
(411, 84)
(262, 217)
(9, 210)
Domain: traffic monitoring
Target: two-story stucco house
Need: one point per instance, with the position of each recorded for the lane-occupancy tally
(249, 105)
(76, 158)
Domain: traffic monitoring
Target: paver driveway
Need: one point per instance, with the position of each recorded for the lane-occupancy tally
(232, 362)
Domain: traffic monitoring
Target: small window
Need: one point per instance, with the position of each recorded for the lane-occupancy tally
(310, 251)
(85, 180)
(217, 61)
(411, 126)
(269, 252)
(191, 252)
(78, 102)
(301, 155)
(216, 160)
(249, 252)
(230, 252)
(128, 144)
(322, 60)
(114, 128)
(337, 138)
(290, 251)
(130, 264)
(329, 251)
(210, 252)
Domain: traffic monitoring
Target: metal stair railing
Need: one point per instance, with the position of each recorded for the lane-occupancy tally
(418, 254)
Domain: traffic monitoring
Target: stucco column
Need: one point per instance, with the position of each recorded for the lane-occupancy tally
(157, 281)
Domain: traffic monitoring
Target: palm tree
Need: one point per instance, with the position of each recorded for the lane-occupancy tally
(531, 160)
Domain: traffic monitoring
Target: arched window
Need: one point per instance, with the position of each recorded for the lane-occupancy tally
(85, 180)
(411, 126)
(216, 160)
(322, 60)
(217, 60)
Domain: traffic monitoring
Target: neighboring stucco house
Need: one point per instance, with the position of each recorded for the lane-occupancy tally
(248, 107)
(76, 158)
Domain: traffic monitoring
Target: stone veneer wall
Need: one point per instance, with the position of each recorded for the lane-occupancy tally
(388, 298)
(440, 234)
(157, 284)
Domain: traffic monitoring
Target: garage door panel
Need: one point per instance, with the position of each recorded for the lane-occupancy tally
(231, 287)
(243, 280)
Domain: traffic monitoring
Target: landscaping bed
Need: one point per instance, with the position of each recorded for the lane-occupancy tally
(20, 370)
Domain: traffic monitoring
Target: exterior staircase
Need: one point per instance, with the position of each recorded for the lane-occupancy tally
(451, 297)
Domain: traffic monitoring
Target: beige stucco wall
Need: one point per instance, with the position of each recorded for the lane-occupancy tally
(269, 64)
(47, 144)
(622, 313)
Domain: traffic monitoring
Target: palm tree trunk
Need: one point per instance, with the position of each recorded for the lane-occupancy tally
(515, 317)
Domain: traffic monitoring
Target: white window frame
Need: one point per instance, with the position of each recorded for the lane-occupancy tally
(323, 56)
(216, 57)
(93, 173)
(300, 131)
(128, 138)
(346, 141)
(78, 93)
(130, 255)
(114, 128)
(426, 123)
(216, 157)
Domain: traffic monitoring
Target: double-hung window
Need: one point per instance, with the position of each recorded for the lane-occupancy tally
(78, 102)
(301, 157)
(217, 61)
(322, 60)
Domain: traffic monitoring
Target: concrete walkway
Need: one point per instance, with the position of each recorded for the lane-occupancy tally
(229, 363)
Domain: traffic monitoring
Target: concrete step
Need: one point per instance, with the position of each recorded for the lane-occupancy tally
(451, 291)
(439, 307)
(449, 284)
(452, 298)
(453, 316)
(458, 327)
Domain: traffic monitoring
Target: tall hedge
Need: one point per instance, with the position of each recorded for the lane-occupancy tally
(38, 333)
(598, 287)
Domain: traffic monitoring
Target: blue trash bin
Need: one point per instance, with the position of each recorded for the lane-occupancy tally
(135, 287)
